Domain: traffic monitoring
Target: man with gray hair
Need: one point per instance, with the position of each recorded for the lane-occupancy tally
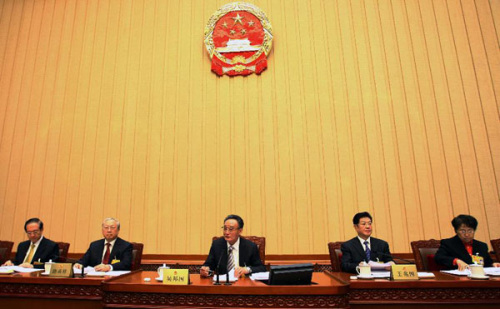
(110, 253)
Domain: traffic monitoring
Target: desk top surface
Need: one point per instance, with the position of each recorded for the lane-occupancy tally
(441, 280)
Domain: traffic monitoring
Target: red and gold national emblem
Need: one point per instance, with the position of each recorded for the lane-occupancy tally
(238, 38)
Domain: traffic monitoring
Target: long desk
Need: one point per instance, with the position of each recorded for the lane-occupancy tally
(443, 291)
(132, 291)
(31, 290)
(331, 290)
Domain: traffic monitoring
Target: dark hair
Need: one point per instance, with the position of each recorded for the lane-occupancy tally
(359, 215)
(237, 218)
(33, 220)
(467, 220)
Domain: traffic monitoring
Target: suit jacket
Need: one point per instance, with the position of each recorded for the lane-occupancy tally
(248, 256)
(353, 253)
(47, 250)
(454, 248)
(122, 250)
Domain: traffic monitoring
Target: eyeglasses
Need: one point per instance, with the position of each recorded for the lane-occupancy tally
(36, 232)
(230, 229)
(365, 223)
(463, 232)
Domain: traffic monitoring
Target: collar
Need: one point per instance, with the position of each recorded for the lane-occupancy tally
(111, 242)
(236, 245)
(38, 242)
(363, 241)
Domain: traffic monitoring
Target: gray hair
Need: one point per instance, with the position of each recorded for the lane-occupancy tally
(112, 219)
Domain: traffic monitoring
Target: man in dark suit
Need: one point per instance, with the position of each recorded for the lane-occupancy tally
(36, 249)
(233, 252)
(110, 253)
(462, 249)
(363, 248)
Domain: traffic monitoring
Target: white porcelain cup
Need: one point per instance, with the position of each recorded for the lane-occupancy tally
(160, 270)
(364, 270)
(476, 270)
(48, 266)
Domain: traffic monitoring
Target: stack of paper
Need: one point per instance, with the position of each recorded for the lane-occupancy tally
(222, 278)
(260, 276)
(90, 271)
(20, 269)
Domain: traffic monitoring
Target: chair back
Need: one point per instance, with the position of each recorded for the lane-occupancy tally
(259, 241)
(495, 245)
(5, 251)
(335, 255)
(63, 252)
(423, 253)
(136, 255)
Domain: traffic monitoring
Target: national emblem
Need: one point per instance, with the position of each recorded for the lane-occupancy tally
(238, 38)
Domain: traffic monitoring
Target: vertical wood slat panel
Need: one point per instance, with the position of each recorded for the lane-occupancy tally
(386, 106)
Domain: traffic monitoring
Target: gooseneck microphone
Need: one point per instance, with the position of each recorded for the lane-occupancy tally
(217, 271)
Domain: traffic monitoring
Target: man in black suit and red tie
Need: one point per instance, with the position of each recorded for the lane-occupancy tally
(233, 252)
(110, 253)
(36, 249)
(364, 248)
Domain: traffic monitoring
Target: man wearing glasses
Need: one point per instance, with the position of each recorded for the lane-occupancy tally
(233, 252)
(36, 249)
(364, 248)
(110, 253)
(462, 249)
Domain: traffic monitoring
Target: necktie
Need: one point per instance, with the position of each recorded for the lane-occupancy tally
(105, 259)
(30, 254)
(230, 259)
(367, 251)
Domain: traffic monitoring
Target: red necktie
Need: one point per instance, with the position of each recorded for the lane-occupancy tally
(105, 259)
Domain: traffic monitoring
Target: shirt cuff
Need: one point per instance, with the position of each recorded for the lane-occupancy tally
(111, 266)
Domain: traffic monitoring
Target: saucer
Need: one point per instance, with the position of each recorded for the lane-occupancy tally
(370, 277)
(481, 277)
(44, 274)
(159, 279)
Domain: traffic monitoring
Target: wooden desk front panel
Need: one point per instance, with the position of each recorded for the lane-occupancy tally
(444, 289)
(133, 291)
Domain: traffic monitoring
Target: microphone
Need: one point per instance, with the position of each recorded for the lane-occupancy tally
(385, 255)
(218, 271)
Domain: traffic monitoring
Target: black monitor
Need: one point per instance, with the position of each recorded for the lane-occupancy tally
(295, 274)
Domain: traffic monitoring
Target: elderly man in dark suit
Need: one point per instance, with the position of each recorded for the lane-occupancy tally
(363, 248)
(462, 249)
(36, 249)
(233, 252)
(110, 253)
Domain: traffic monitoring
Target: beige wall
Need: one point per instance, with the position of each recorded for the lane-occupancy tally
(109, 108)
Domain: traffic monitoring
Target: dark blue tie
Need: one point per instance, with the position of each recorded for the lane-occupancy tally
(367, 251)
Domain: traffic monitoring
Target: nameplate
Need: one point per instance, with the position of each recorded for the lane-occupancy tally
(61, 270)
(404, 272)
(176, 276)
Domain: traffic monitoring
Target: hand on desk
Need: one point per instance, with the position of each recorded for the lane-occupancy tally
(239, 271)
(205, 271)
(462, 265)
(8, 263)
(26, 265)
(102, 267)
(496, 264)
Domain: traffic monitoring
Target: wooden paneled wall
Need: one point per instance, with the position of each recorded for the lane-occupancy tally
(109, 108)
